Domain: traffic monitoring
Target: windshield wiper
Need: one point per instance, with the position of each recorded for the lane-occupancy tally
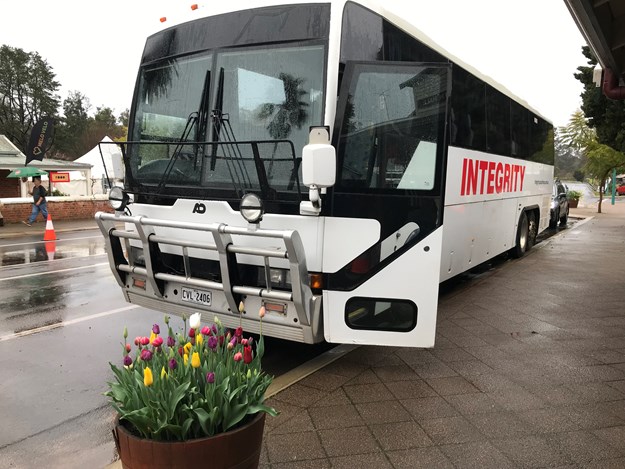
(201, 119)
(191, 121)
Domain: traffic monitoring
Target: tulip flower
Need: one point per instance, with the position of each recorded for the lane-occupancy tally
(171, 341)
(127, 360)
(144, 340)
(206, 330)
(163, 372)
(199, 339)
(187, 347)
(210, 377)
(157, 342)
(191, 333)
(127, 347)
(146, 355)
(194, 320)
(239, 332)
(195, 360)
(147, 376)
(238, 357)
(186, 359)
(137, 340)
(125, 332)
(214, 329)
(152, 337)
(166, 319)
(173, 364)
(212, 342)
(247, 354)
(156, 329)
(241, 307)
(261, 312)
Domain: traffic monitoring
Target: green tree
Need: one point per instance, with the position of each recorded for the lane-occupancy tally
(72, 126)
(601, 159)
(27, 93)
(604, 115)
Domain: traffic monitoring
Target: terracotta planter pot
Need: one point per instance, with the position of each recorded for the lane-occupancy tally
(238, 449)
(573, 203)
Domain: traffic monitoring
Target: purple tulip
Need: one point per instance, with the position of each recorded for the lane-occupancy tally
(210, 377)
(172, 363)
(127, 360)
(146, 355)
(214, 327)
(171, 341)
(212, 342)
(156, 329)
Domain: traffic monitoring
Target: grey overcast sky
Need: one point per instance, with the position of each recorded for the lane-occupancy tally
(532, 47)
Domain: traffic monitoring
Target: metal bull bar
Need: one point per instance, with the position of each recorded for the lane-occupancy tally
(121, 265)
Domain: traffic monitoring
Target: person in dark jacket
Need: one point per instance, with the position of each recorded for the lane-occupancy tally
(39, 202)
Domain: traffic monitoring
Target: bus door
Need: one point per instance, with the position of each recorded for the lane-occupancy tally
(390, 139)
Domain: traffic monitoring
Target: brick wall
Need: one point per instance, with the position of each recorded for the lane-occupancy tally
(8, 187)
(77, 209)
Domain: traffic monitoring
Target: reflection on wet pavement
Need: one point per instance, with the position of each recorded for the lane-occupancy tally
(49, 251)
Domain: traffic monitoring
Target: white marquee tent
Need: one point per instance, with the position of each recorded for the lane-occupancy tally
(112, 156)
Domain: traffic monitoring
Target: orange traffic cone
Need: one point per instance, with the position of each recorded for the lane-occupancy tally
(49, 234)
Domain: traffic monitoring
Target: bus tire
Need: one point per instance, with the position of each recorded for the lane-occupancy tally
(522, 237)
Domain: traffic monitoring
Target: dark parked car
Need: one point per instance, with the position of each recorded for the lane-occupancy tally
(559, 205)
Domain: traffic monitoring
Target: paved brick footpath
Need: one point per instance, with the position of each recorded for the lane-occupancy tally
(528, 370)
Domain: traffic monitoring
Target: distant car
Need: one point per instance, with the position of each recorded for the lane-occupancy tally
(559, 205)
(621, 189)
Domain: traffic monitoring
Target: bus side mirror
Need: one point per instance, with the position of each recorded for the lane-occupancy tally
(318, 168)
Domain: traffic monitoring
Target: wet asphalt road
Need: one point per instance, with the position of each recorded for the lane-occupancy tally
(61, 321)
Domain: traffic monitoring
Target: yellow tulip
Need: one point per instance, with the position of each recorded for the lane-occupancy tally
(187, 347)
(195, 360)
(163, 373)
(186, 358)
(199, 340)
(147, 376)
(152, 337)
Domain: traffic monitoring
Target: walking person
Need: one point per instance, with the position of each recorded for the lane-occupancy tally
(39, 202)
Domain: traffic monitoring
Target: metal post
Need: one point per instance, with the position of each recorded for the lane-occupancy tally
(613, 185)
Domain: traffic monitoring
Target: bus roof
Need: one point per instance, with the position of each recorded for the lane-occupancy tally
(179, 17)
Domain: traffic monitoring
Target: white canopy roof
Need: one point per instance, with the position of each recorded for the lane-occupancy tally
(112, 158)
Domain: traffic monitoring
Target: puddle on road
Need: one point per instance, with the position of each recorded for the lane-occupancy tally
(48, 251)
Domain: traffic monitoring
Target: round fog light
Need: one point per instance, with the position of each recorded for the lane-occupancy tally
(118, 198)
(252, 208)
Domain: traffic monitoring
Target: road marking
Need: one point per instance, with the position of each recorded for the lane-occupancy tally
(55, 271)
(49, 327)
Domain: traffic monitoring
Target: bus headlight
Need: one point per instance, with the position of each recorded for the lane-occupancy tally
(252, 208)
(118, 198)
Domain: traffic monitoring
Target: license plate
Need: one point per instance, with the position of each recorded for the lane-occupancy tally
(198, 297)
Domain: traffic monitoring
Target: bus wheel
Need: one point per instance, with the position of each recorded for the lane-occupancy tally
(522, 237)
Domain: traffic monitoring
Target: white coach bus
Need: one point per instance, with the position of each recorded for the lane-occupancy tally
(326, 161)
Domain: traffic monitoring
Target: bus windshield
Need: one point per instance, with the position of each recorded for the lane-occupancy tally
(229, 118)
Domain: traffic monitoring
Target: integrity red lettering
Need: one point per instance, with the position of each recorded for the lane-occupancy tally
(489, 177)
